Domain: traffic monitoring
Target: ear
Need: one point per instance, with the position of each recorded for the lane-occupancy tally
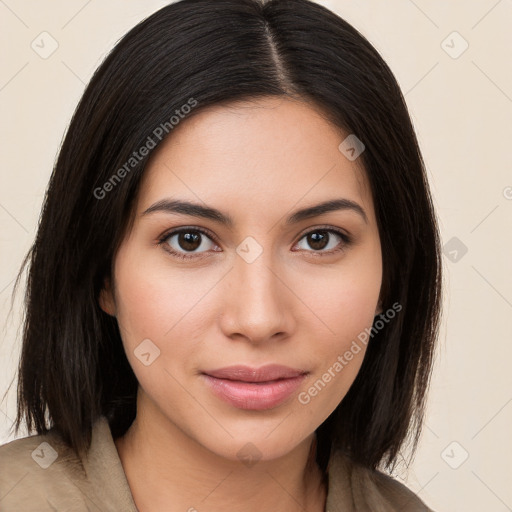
(106, 299)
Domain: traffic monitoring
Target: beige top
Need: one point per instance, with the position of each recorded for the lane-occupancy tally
(41, 474)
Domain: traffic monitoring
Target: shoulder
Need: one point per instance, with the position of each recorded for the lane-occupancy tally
(36, 473)
(370, 489)
(397, 494)
(43, 474)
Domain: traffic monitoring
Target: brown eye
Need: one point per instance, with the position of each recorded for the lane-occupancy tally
(189, 241)
(326, 241)
(318, 240)
(186, 243)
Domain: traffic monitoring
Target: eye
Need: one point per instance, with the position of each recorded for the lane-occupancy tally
(194, 241)
(328, 238)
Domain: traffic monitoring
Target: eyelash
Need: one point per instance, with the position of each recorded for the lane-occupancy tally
(347, 240)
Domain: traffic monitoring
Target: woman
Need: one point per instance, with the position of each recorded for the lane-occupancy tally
(234, 293)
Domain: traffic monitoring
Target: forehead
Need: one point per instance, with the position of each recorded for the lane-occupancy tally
(259, 156)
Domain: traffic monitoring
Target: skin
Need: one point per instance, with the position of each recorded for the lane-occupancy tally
(257, 161)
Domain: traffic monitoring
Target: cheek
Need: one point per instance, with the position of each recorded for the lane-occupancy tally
(147, 299)
(162, 304)
(156, 314)
(143, 306)
(346, 305)
(340, 353)
(348, 299)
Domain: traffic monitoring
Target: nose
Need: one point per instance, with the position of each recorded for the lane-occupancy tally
(258, 303)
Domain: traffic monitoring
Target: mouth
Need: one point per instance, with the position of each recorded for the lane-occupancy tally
(254, 388)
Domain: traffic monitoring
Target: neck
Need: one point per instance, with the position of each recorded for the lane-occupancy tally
(168, 470)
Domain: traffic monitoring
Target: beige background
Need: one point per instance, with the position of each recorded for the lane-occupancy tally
(461, 105)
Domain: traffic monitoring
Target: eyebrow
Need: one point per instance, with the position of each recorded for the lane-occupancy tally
(198, 210)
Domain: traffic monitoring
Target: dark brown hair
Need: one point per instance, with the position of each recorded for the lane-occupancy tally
(73, 367)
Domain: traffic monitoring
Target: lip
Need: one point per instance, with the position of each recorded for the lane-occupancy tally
(254, 388)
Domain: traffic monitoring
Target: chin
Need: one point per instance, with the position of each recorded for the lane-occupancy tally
(250, 447)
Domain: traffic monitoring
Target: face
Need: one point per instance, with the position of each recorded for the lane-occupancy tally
(242, 279)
